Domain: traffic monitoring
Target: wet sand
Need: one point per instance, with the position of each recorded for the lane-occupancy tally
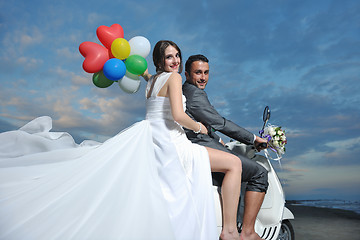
(313, 223)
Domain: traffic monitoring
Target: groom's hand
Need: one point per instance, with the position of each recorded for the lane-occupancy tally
(260, 143)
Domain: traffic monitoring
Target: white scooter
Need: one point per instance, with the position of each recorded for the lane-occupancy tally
(273, 219)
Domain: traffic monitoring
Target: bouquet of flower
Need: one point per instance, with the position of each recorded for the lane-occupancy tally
(276, 138)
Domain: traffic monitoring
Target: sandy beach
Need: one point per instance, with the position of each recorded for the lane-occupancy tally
(313, 223)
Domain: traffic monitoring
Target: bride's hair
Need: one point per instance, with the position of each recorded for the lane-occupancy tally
(159, 55)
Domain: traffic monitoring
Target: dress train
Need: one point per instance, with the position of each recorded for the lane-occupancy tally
(83, 192)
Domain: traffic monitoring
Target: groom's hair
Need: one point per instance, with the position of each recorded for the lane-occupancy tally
(192, 59)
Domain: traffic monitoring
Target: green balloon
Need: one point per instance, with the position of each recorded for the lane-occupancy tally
(101, 81)
(136, 64)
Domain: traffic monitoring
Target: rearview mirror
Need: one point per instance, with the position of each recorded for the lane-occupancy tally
(266, 114)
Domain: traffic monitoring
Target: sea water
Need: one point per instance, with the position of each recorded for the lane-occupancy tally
(339, 204)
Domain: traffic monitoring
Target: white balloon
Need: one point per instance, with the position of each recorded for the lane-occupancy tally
(139, 45)
(130, 83)
(132, 76)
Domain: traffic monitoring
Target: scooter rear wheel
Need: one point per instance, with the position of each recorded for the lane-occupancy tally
(286, 231)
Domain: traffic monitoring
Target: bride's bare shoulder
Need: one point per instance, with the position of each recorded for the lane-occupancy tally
(175, 77)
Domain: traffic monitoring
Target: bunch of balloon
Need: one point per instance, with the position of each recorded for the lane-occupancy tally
(118, 60)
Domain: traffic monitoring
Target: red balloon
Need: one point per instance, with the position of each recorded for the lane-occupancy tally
(107, 35)
(95, 56)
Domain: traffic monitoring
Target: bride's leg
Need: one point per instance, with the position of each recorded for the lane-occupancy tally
(230, 190)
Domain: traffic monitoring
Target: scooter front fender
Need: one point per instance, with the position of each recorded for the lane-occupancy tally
(287, 214)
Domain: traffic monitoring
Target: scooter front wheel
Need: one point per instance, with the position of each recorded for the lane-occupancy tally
(286, 231)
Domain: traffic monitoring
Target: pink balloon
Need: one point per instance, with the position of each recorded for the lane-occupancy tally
(95, 56)
(107, 34)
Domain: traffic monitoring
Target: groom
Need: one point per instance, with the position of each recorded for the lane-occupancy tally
(199, 108)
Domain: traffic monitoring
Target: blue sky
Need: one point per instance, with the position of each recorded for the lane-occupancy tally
(302, 58)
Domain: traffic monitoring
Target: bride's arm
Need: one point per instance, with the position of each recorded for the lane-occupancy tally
(174, 90)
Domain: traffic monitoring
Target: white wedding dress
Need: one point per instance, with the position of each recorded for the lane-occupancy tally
(147, 182)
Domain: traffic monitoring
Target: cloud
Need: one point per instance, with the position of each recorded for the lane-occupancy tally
(286, 35)
(342, 180)
(34, 36)
(94, 18)
(19, 40)
(336, 80)
(70, 77)
(333, 153)
(67, 53)
(29, 63)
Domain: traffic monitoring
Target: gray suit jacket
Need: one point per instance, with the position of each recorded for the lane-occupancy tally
(199, 108)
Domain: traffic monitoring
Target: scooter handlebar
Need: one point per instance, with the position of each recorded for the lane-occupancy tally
(262, 145)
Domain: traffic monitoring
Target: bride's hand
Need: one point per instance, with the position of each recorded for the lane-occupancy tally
(203, 129)
(146, 75)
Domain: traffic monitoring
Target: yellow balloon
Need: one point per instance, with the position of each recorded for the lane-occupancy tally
(120, 48)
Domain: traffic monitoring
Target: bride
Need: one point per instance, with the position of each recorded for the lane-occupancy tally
(147, 182)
